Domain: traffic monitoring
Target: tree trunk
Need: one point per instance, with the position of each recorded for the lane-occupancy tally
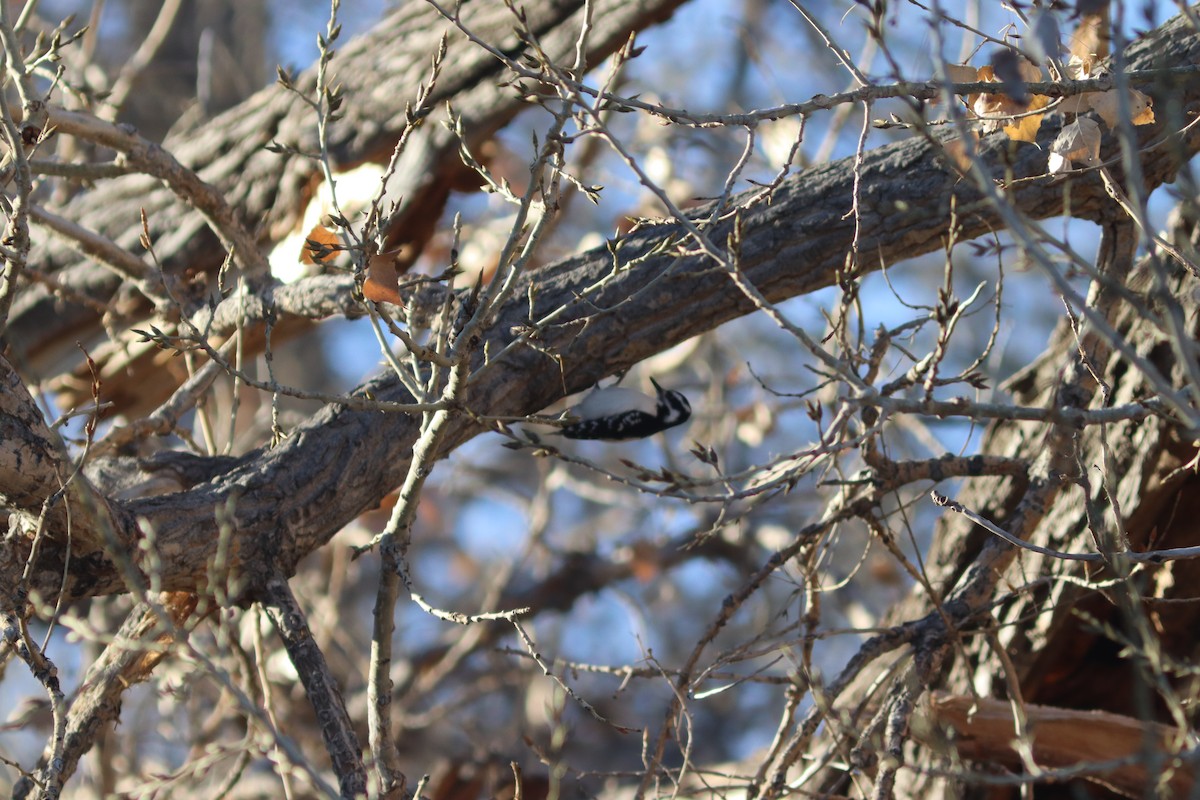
(994, 610)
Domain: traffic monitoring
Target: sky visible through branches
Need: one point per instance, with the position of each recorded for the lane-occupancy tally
(500, 515)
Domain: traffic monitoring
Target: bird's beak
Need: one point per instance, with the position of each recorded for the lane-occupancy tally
(657, 388)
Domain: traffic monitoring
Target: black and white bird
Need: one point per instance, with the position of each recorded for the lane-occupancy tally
(617, 413)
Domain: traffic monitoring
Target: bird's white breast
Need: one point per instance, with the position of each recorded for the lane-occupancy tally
(614, 400)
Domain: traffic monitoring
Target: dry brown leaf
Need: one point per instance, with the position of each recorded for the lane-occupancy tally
(995, 106)
(987, 74)
(1030, 72)
(981, 74)
(1106, 105)
(1078, 144)
(959, 73)
(383, 283)
(318, 234)
(1090, 41)
(1014, 71)
(1025, 129)
(1079, 70)
(1079, 104)
(999, 109)
(1141, 108)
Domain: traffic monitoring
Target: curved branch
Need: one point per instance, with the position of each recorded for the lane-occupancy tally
(268, 191)
(287, 501)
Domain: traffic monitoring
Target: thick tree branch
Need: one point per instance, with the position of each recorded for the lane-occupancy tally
(319, 685)
(138, 646)
(291, 499)
(269, 191)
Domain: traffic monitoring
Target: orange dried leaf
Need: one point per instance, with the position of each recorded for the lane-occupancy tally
(1079, 104)
(1077, 145)
(1106, 106)
(382, 284)
(1013, 71)
(318, 234)
(1025, 129)
(1030, 72)
(961, 73)
(998, 109)
(1059, 737)
(995, 106)
(1141, 108)
(1089, 42)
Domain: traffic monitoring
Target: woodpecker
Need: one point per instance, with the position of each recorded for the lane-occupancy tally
(616, 413)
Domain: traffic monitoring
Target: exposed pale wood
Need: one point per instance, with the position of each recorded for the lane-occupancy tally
(983, 730)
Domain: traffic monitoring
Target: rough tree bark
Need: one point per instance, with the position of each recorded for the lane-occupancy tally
(378, 72)
(282, 503)
(1053, 643)
(291, 500)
